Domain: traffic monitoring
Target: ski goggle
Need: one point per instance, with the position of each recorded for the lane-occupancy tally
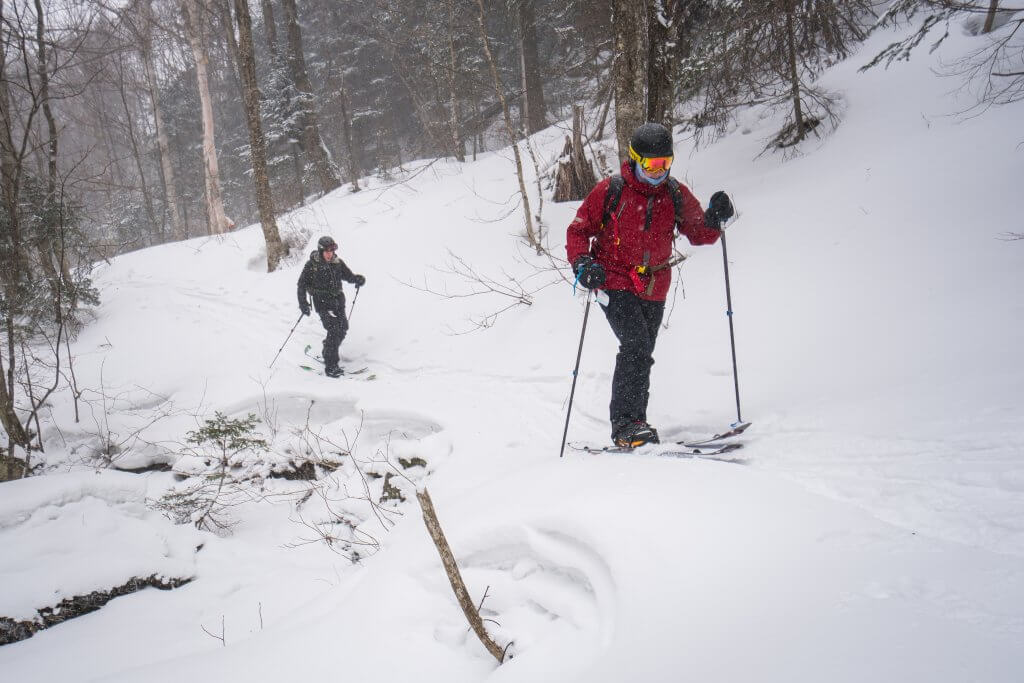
(654, 167)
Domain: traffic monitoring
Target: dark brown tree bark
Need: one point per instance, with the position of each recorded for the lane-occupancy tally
(269, 26)
(575, 177)
(630, 70)
(535, 113)
(990, 16)
(313, 143)
(276, 249)
(663, 19)
(800, 125)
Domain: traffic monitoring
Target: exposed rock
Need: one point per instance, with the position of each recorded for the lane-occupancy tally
(11, 631)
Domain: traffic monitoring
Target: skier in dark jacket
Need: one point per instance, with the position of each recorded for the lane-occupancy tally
(623, 245)
(322, 277)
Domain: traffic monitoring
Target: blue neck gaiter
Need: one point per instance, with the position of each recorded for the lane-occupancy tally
(646, 178)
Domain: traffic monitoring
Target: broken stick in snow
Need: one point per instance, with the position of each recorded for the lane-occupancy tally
(454, 577)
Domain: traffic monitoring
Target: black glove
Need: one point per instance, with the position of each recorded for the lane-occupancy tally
(719, 210)
(304, 307)
(589, 273)
(358, 281)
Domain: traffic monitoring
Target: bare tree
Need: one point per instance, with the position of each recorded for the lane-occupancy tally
(629, 70)
(770, 53)
(994, 70)
(313, 143)
(194, 12)
(531, 236)
(535, 114)
(276, 249)
(458, 143)
(171, 203)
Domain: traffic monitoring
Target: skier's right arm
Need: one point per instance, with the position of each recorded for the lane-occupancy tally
(587, 223)
(303, 287)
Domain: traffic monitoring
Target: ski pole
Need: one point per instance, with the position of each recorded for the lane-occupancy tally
(301, 316)
(352, 309)
(575, 373)
(732, 335)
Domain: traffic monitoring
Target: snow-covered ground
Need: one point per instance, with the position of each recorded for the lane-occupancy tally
(873, 530)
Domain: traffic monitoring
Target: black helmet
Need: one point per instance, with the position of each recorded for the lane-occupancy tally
(651, 140)
(326, 243)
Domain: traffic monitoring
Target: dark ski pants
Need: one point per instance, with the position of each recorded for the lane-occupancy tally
(635, 323)
(336, 324)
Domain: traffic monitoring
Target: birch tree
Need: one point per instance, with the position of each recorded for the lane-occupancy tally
(195, 26)
(170, 186)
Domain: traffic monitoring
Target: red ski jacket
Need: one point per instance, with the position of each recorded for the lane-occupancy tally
(636, 244)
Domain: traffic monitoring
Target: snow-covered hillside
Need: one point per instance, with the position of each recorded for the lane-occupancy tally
(873, 529)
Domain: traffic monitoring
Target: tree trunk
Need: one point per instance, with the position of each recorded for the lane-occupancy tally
(575, 177)
(16, 434)
(44, 241)
(136, 154)
(346, 128)
(531, 236)
(458, 145)
(351, 159)
(276, 249)
(15, 264)
(990, 16)
(170, 185)
(215, 219)
(313, 142)
(269, 27)
(533, 85)
(799, 125)
(630, 70)
(662, 33)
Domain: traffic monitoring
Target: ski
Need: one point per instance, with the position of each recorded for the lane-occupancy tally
(734, 431)
(345, 373)
(320, 360)
(668, 450)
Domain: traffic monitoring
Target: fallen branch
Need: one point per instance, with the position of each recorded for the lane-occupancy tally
(454, 577)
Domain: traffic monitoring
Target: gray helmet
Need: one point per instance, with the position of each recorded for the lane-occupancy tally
(325, 243)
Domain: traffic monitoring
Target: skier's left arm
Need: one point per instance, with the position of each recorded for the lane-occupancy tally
(348, 276)
(700, 226)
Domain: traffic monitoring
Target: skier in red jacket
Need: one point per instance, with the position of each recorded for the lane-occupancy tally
(621, 242)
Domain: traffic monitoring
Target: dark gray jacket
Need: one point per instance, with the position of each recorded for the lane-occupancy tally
(322, 279)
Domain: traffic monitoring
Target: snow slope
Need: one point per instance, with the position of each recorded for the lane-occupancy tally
(873, 530)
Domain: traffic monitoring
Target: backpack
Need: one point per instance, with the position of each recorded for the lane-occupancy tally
(611, 200)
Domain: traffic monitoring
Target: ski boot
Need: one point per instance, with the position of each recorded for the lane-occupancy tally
(634, 433)
(334, 372)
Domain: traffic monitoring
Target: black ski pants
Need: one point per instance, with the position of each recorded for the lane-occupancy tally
(332, 315)
(635, 323)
